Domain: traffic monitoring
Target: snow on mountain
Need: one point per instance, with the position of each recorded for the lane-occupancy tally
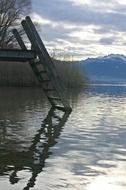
(107, 69)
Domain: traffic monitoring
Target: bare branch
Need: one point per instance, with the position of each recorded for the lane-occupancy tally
(11, 11)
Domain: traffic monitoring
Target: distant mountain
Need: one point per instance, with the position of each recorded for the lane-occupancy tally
(107, 69)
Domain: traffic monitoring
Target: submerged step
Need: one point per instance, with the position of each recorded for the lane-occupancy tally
(42, 72)
(69, 109)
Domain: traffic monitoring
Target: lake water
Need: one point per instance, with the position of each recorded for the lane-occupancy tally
(42, 148)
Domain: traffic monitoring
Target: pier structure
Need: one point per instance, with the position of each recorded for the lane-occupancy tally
(41, 63)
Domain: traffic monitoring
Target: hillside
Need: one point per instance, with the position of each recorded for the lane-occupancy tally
(107, 69)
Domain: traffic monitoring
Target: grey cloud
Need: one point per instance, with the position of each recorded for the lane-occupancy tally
(105, 1)
(107, 41)
(58, 32)
(65, 11)
(102, 30)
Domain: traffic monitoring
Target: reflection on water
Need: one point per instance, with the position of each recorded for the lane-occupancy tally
(109, 89)
(43, 140)
(13, 160)
(86, 152)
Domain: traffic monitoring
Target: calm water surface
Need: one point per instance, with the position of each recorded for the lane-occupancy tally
(42, 148)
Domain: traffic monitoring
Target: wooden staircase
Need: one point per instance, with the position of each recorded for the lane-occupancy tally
(43, 67)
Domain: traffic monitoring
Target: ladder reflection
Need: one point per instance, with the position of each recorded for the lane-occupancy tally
(34, 158)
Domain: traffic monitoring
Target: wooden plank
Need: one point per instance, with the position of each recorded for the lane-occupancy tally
(49, 89)
(61, 108)
(54, 98)
(16, 55)
(46, 81)
(19, 39)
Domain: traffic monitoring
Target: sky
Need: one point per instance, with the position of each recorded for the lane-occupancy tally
(81, 29)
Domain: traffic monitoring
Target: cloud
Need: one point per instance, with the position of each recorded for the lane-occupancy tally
(107, 41)
(94, 13)
(82, 23)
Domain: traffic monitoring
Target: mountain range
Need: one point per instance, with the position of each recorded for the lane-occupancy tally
(107, 69)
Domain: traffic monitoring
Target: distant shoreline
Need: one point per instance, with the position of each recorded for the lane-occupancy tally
(20, 74)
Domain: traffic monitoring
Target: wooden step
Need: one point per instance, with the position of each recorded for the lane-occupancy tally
(57, 117)
(60, 107)
(49, 89)
(46, 81)
(35, 63)
(69, 109)
(42, 72)
(38, 62)
(55, 98)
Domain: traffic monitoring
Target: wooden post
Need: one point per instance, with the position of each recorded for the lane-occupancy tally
(19, 39)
